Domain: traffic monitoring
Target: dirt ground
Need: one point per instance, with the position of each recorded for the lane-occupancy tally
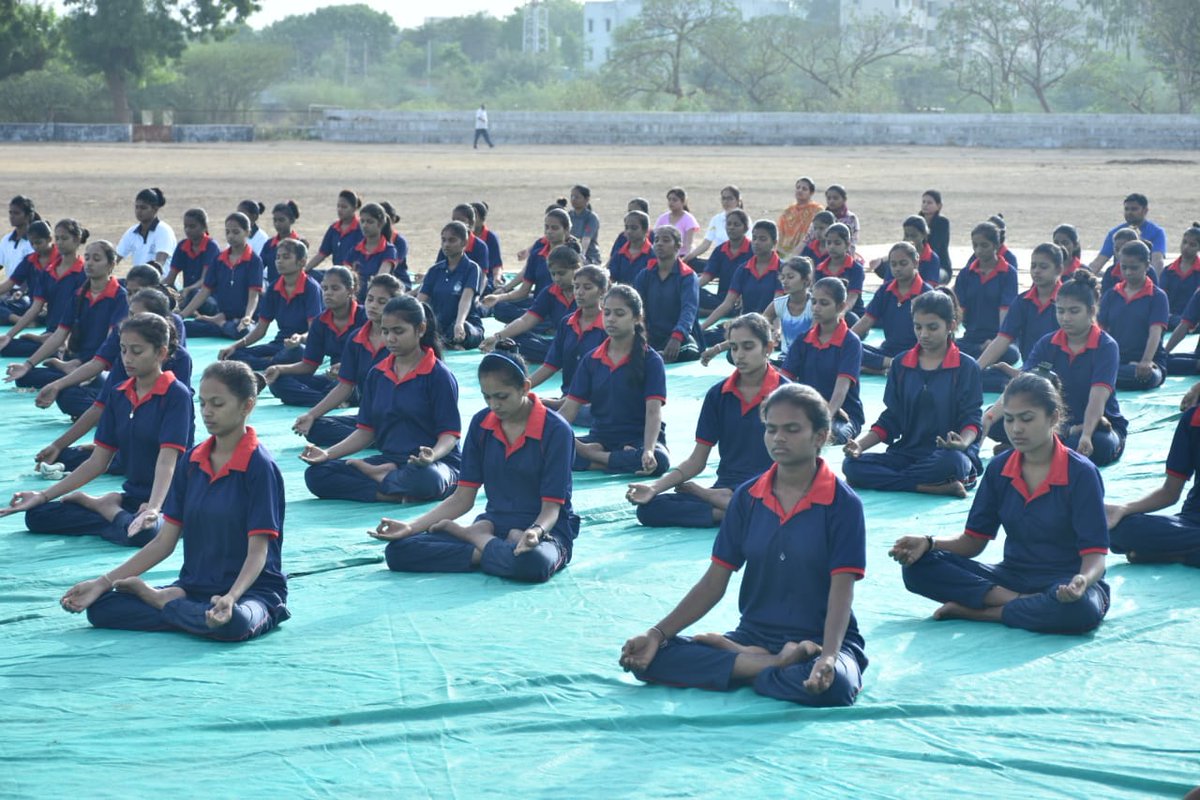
(1034, 189)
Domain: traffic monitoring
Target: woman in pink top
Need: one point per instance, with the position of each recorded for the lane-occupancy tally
(679, 217)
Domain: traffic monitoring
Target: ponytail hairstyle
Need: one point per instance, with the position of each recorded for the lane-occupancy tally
(941, 302)
(393, 217)
(1042, 390)
(1069, 233)
(1083, 286)
(110, 252)
(157, 332)
(197, 215)
(565, 255)
(288, 208)
(1052, 251)
(155, 303)
(595, 276)
(802, 266)
(27, 208)
(416, 313)
(637, 354)
(481, 211)
(585, 192)
(239, 219)
(149, 279)
(381, 213)
(560, 203)
(735, 192)
(803, 397)
(351, 197)
(297, 248)
(39, 229)
(639, 204)
(253, 209)
(834, 287)
(989, 231)
(1193, 233)
(77, 231)
(755, 323)
(998, 220)
(678, 191)
(152, 197)
(561, 216)
(236, 376)
(467, 213)
(347, 277)
(458, 229)
(506, 361)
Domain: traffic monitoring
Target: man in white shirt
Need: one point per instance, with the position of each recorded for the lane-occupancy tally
(481, 126)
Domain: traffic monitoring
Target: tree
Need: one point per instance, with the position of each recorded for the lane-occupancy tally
(741, 57)
(28, 37)
(222, 78)
(1056, 42)
(1171, 36)
(651, 54)
(336, 42)
(124, 39)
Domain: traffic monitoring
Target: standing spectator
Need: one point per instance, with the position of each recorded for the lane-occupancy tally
(481, 126)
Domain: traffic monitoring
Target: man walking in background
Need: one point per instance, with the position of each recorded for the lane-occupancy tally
(481, 126)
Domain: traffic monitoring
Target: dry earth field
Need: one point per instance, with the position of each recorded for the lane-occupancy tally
(1034, 189)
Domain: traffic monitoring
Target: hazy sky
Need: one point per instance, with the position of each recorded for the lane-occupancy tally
(407, 13)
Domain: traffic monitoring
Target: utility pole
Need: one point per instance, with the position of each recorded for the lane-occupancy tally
(536, 28)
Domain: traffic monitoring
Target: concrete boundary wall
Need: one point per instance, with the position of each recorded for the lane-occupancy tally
(60, 132)
(1118, 131)
(212, 133)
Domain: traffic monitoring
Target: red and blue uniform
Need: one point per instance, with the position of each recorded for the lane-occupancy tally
(756, 289)
(853, 273)
(325, 338)
(137, 428)
(270, 250)
(517, 478)
(230, 284)
(24, 279)
(367, 263)
(1096, 365)
(1129, 320)
(550, 307)
(358, 359)
(192, 259)
(1113, 275)
(929, 267)
(1179, 287)
(495, 257)
(536, 274)
(819, 365)
(444, 288)
(1181, 363)
(58, 292)
(1027, 321)
(340, 240)
(477, 250)
(723, 264)
(292, 314)
(671, 305)
(731, 423)
(814, 251)
(88, 324)
(571, 343)
(790, 556)
(1047, 531)
(618, 404)
(1155, 536)
(892, 312)
(983, 298)
(405, 413)
(625, 264)
(921, 405)
(217, 512)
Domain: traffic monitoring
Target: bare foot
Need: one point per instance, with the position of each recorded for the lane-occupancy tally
(376, 472)
(722, 642)
(948, 489)
(797, 652)
(959, 611)
(106, 505)
(717, 498)
(156, 598)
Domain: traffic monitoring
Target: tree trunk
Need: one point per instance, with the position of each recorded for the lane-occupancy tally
(1041, 96)
(117, 90)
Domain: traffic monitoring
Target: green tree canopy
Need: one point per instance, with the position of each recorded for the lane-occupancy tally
(28, 37)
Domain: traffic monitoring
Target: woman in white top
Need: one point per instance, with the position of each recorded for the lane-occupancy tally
(254, 209)
(715, 236)
(15, 246)
(150, 241)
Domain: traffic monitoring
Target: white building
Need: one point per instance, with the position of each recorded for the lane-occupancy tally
(602, 17)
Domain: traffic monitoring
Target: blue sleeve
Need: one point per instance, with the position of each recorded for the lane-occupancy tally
(728, 548)
(847, 534)
(177, 256)
(1105, 317)
(581, 384)
(314, 303)
(689, 305)
(554, 356)
(1039, 354)
(738, 284)
(876, 306)
(445, 402)
(365, 418)
(656, 377)
(210, 277)
(265, 484)
(850, 358)
(110, 349)
(473, 279)
(481, 256)
(708, 425)
(969, 402)
(984, 519)
(182, 367)
(1181, 462)
(314, 345)
(558, 454)
(1160, 309)
(1014, 321)
(1008, 290)
(268, 307)
(495, 259)
(1105, 364)
(173, 505)
(540, 307)
(106, 428)
(177, 418)
(348, 365)
(856, 277)
(712, 268)
(256, 272)
(329, 241)
(1106, 249)
(887, 427)
(529, 274)
(427, 282)
(1158, 240)
(1087, 507)
(471, 471)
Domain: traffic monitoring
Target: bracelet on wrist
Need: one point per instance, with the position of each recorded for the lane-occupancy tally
(663, 636)
(932, 546)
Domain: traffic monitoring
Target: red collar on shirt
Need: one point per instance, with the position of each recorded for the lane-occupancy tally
(601, 355)
(225, 256)
(274, 242)
(193, 251)
(52, 258)
(534, 426)
(107, 293)
(683, 269)
(483, 232)
(573, 321)
(1060, 339)
(1071, 267)
(1032, 296)
(727, 250)
(471, 239)
(824, 266)
(951, 360)
(351, 226)
(770, 383)
(301, 284)
(1146, 290)
(161, 384)
(914, 288)
(1001, 267)
(1176, 266)
(363, 337)
(625, 251)
(813, 336)
(423, 367)
(772, 265)
(542, 247)
(361, 247)
(821, 492)
(561, 296)
(52, 268)
(926, 253)
(327, 318)
(1056, 477)
(239, 461)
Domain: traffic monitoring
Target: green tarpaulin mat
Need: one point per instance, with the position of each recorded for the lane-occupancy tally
(469, 686)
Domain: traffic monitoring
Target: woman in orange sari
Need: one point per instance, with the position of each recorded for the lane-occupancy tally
(796, 218)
